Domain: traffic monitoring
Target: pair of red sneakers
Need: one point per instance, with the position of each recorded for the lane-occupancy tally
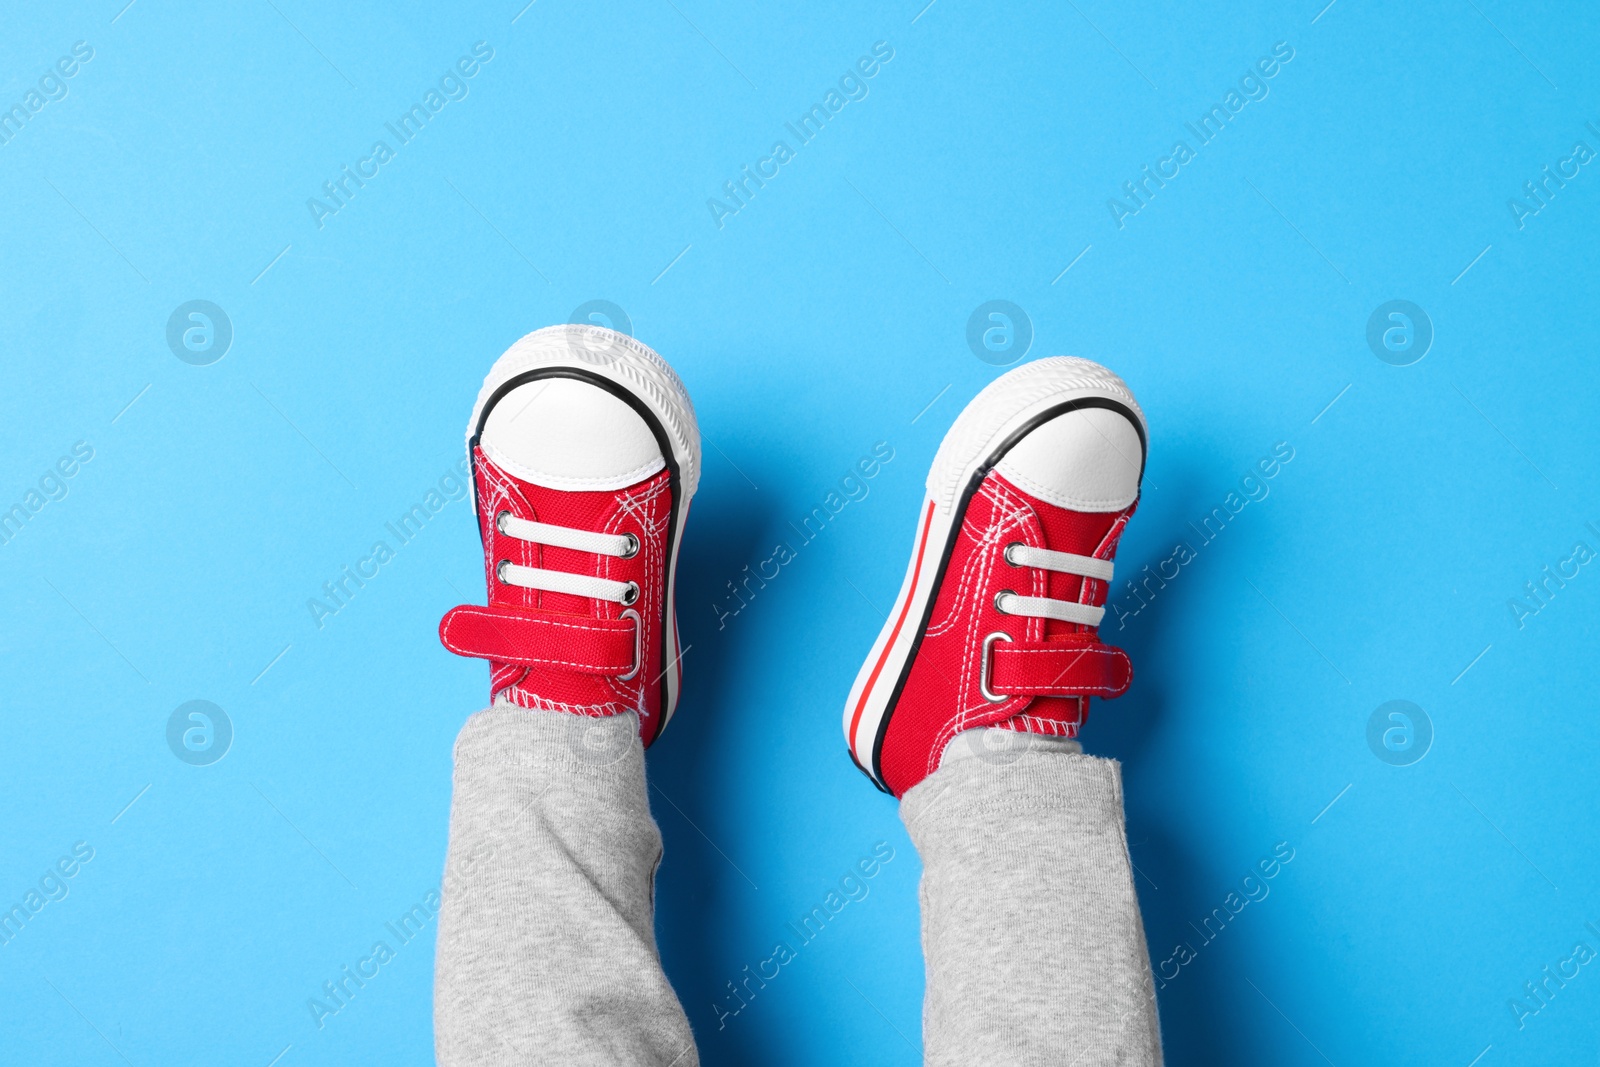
(585, 455)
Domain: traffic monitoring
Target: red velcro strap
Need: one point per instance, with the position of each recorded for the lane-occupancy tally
(1060, 668)
(534, 639)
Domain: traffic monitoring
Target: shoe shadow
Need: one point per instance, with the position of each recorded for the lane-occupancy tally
(697, 888)
(1199, 1023)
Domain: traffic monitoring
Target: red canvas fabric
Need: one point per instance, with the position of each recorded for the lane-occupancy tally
(559, 642)
(1081, 668)
(1047, 671)
(557, 650)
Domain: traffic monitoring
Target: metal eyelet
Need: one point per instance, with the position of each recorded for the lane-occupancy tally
(500, 571)
(500, 521)
(1002, 594)
(983, 668)
(638, 645)
(1007, 553)
(631, 595)
(633, 546)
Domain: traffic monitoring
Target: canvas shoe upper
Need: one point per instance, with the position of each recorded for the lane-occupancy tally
(585, 454)
(997, 622)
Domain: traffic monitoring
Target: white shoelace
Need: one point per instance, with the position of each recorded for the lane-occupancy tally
(622, 546)
(1041, 607)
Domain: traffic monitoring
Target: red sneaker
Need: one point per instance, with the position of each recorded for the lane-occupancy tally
(997, 620)
(585, 453)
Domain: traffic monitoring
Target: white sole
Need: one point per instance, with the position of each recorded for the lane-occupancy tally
(639, 370)
(1000, 415)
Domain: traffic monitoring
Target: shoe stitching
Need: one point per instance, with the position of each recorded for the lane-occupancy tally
(1008, 511)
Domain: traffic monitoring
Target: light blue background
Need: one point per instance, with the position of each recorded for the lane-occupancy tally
(823, 317)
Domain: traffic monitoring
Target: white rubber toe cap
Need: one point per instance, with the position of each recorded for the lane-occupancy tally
(566, 434)
(1081, 437)
(1085, 460)
(599, 457)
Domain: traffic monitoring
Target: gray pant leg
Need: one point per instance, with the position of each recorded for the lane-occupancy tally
(1030, 927)
(547, 948)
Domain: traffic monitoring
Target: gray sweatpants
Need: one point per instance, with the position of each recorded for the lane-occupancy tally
(547, 953)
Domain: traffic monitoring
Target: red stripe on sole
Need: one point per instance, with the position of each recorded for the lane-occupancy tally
(916, 572)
